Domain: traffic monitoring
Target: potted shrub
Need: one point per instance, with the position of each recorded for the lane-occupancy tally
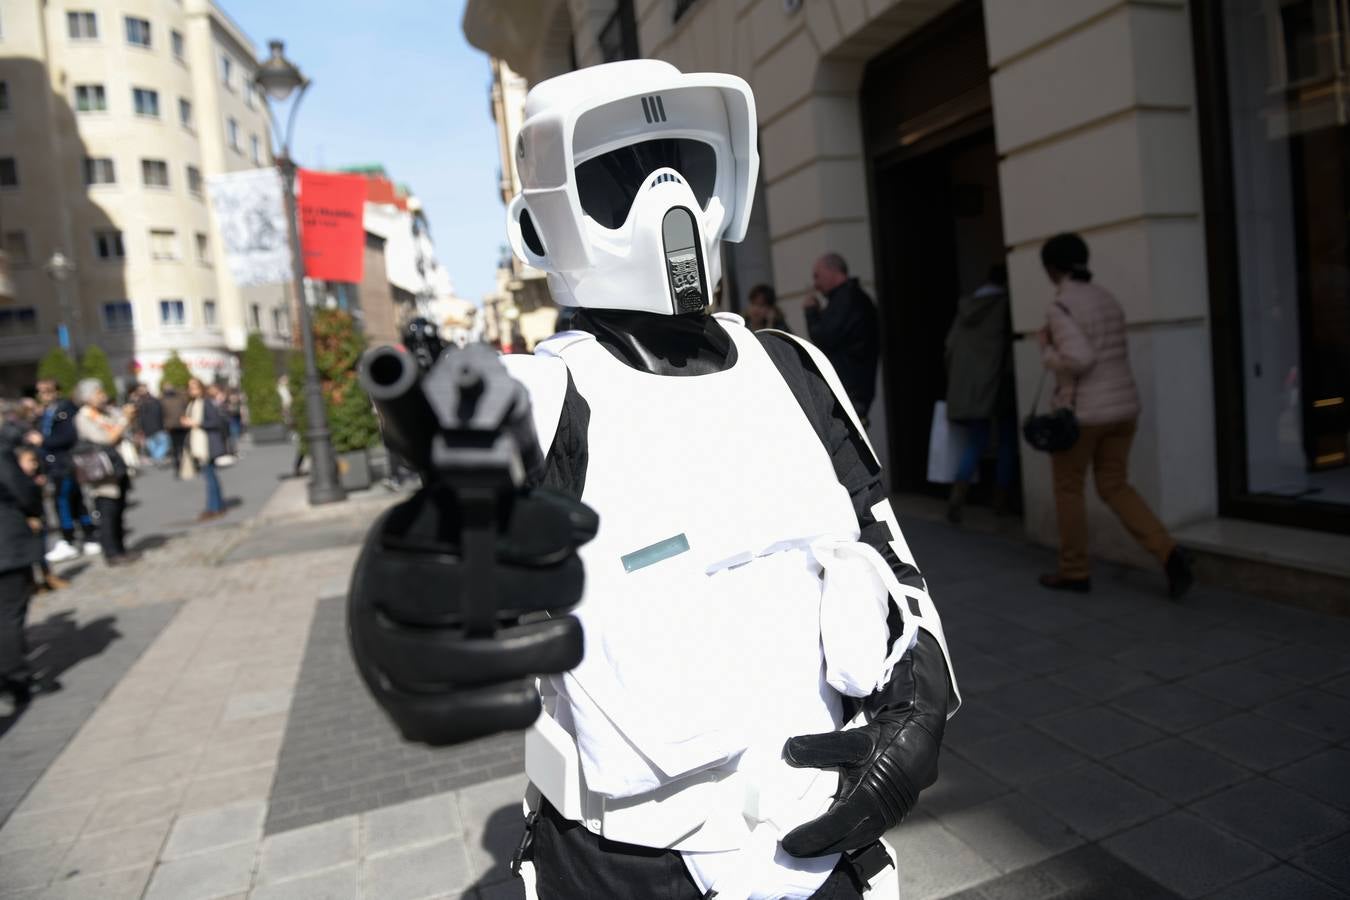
(338, 345)
(59, 367)
(95, 365)
(265, 424)
(176, 373)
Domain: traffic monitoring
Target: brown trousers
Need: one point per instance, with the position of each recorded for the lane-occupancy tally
(1107, 449)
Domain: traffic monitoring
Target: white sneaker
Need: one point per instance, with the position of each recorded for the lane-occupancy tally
(92, 548)
(61, 552)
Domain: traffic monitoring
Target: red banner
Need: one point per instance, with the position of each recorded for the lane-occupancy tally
(332, 234)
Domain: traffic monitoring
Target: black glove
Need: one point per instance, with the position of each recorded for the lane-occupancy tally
(440, 675)
(884, 764)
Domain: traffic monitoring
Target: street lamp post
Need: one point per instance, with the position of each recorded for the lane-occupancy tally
(278, 78)
(60, 268)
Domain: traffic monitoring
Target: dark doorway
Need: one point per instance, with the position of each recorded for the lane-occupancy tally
(937, 214)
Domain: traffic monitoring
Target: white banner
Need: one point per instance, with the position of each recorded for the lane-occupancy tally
(252, 216)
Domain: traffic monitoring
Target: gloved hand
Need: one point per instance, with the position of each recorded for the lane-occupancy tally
(884, 764)
(409, 617)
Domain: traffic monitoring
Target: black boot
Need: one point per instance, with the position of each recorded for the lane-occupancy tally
(1180, 578)
(956, 500)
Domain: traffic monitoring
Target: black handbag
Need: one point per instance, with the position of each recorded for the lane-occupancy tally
(1054, 431)
(97, 464)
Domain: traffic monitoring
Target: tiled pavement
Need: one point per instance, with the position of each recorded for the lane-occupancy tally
(1111, 745)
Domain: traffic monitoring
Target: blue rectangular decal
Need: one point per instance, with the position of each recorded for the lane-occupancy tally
(640, 559)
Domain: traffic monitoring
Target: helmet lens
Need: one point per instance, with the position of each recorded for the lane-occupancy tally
(608, 183)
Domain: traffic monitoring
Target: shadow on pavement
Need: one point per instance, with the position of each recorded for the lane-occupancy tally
(56, 645)
(501, 835)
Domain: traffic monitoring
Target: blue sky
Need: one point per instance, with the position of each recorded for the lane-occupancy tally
(396, 83)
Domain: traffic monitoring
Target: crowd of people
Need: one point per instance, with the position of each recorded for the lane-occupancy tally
(78, 456)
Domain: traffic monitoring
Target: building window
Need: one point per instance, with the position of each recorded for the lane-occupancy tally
(179, 50)
(203, 249)
(117, 316)
(281, 321)
(18, 321)
(154, 173)
(82, 25)
(618, 36)
(250, 98)
(9, 172)
(209, 313)
(172, 314)
(163, 244)
(185, 112)
(99, 170)
(138, 31)
(254, 317)
(90, 98)
(16, 246)
(194, 180)
(255, 149)
(232, 134)
(145, 102)
(227, 71)
(108, 244)
(4, 96)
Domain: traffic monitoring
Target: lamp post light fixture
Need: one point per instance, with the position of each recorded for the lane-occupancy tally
(60, 268)
(278, 78)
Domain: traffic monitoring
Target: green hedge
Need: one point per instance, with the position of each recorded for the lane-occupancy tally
(260, 383)
(95, 365)
(176, 373)
(58, 366)
(338, 345)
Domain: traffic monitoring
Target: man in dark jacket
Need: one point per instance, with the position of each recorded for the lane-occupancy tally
(173, 406)
(846, 329)
(150, 424)
(20, 507)
(59, 436)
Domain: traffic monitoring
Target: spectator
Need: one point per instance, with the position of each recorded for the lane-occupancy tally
(104, 425)
(1083, 344)
(173, 407)
(980, 386)
(30, 463)
(206, 444)
(150, 424)
(231, 403)
(20, 549)
(57, 424)
(846, 329)
(761, 310)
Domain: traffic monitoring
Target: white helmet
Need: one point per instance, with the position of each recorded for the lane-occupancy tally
(631, 173)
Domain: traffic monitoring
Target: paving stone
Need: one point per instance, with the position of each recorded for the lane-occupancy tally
(31, 867)
(422, 821)
(308, 850)
(203, 875)
(1242, 685)
(112, 850)
(1323, 714)
(1256, 742)
(1085, 873)
(948, 864)
(1187, 855)
(1039, 697)
(37, 829)
(1167, 659)
(1022, 756)
(494, 823)
(240, 786)
(1339, 686)
(1011, 832)
(976, 721)
(125, 884)
(341, 883)
(959, 785)
(1276, 818)
(1329, 862)
(1178, 770)
(1098, 731)
(1306, 663)
(1100, 638)
(1094, 801)
(215, 828)
(1325, 777)
(1103, 679)
(1283, 883)
(511, 889)
(426, 871)
(125, 810)
(1172, 707)
(253, 704)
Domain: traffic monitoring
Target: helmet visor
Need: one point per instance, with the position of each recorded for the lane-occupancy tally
(608, 183)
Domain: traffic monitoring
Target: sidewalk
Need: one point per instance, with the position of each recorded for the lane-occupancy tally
(1112, 745)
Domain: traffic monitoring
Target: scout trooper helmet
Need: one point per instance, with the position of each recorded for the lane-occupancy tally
(631, 173)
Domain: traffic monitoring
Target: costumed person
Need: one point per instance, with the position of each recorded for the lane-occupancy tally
(764, 683)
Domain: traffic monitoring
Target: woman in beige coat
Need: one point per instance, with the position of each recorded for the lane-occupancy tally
(1083, 343)
(99, 422)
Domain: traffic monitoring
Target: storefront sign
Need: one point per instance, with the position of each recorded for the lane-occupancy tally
(332, 233)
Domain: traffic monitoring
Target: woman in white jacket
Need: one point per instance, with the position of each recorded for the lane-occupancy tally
(1084, 344)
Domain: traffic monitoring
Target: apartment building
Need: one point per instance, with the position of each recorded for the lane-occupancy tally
(113, 113)
(1200, 147)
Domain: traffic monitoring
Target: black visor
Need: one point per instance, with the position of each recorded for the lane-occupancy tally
(608, 183)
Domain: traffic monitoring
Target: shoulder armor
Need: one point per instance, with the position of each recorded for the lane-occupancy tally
(545, 378)
(822, 365)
